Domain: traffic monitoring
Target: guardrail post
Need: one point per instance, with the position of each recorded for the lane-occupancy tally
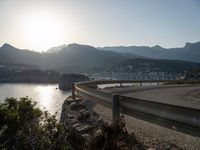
(115, 108)
(141, 83)
(73, 91)
(158, 83)
(120, 84)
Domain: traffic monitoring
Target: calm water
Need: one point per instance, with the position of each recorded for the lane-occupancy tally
(47, 96)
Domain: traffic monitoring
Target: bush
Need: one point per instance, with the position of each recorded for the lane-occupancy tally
(24, 126)
(115, 137)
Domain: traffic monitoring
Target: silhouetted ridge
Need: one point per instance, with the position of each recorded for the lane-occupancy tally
(56, 48)
(76, 58)
(73, 58)
(76, 46)
(193, 46)
(7, 46)
(157, 47)
(190, 52)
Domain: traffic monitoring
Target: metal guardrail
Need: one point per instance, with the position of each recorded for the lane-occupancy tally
(179, 118)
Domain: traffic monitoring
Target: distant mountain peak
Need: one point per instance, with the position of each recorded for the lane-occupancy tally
(79, 46)
(6, 45)
(157, 47)
(188, 44)
(56, 48)
(68, 47)
(73, 45)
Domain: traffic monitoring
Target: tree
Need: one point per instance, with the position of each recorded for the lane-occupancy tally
(24, 126)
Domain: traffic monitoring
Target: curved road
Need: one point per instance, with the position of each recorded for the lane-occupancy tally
(182, 95)
(151, 134)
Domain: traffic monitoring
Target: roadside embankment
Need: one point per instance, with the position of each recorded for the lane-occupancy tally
(86, 121)
(88, 130)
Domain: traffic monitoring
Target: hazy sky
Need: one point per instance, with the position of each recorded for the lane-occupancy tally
(41, 24)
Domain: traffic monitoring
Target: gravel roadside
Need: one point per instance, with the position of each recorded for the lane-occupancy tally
(152, 135)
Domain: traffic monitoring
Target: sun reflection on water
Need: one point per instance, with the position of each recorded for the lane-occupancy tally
(44, 96)
(47, 96)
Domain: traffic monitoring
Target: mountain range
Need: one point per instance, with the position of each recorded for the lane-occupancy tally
(73, 58)
(76, 58)
(190, 52)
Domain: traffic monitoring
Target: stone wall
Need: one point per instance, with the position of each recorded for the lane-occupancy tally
(88, 131)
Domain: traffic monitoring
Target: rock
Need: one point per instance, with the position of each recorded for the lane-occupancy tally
(72, 121)
(69, 101)
(84, 114)
(135, 148)
(87, 114)
(73, 106)
(98, 132)
(66, 80)
(76, 125)
(83, 129)
(76, 106)
(69, 116)
(86, 136)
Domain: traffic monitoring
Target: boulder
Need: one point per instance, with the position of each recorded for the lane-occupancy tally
(66, 80)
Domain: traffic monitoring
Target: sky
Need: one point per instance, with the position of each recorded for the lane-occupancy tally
(41, 24)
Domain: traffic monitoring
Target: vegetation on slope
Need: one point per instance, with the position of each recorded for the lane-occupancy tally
(23, 126)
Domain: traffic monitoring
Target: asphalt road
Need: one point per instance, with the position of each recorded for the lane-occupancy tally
(151, 134)
(182, 95)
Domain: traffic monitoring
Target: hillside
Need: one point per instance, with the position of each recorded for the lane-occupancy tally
(73, 58)
(190, 52)
(10, 54)
(153, 65)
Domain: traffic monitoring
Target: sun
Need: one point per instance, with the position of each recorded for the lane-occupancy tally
(43, 30)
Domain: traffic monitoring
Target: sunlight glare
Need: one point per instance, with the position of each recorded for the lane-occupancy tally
(45, 96)
(43, 30)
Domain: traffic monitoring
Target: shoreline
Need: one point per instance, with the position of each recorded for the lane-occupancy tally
(25, 82)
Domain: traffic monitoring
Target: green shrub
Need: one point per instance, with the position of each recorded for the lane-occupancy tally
(24, 126)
